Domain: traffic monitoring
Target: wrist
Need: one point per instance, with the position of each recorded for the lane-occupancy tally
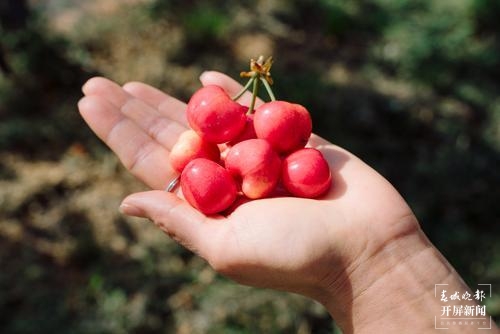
(390, 286)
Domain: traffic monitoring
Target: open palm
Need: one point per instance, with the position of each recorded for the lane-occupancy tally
(293, 244)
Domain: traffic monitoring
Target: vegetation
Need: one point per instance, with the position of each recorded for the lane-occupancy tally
(410, 87)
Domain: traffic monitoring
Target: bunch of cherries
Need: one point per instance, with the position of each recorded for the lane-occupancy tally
(233, 150)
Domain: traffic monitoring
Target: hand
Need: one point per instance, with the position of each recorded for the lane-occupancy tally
(319, 248)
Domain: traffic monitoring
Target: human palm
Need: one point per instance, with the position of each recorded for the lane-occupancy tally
(293, 244)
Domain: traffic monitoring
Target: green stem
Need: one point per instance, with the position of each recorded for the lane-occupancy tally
(255, 90)
(244, 89)
(268, 88)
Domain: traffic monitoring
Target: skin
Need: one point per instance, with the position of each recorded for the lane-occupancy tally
(359, 251)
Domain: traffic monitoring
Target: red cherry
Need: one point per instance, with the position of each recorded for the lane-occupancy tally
(207, 186)
(190, 146)
(306, 173)
(258, 166)
(214, 116)
(287, 126)
(247, 133)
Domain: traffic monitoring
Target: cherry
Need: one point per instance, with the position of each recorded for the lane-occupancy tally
(258, 166)
(190, 146)
(231, 147)
(306, 173)
(247, 133)
(207, 186)
(214, 116)
(286, 126)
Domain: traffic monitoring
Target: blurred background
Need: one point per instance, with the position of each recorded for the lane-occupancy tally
(411, 87)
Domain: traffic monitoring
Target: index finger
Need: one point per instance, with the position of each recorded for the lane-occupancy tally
(166, 105)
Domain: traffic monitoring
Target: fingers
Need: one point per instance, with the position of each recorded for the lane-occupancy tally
(99, 86)
(163, 127)
(144, 157)
(175, 217)
(141, 123)
(160, 128)
(166, 105)
(231, 86)
(133, 128)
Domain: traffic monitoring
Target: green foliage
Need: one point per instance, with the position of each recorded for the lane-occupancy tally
(204, 23)
(436, 43)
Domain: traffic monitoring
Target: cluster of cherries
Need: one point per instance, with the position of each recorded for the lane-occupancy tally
(233, 150)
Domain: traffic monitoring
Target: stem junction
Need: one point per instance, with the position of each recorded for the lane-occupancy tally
(260, 71)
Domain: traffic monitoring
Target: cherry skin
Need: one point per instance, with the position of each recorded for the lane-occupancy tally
(214, 116)
(190, 146)
(287, 126)
(306, 173)
(257, 165)
(207, 186)
(247, 133)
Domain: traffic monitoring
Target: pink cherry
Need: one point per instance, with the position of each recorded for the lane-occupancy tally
(207, 186)
(214, 116)
(190, 146)
(306, 173)
(258, 166)
(287, 126)
(247, 133)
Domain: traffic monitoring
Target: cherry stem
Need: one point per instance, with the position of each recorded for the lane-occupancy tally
(244, 89)
(259, 71)
(255, 91)
(268, 89)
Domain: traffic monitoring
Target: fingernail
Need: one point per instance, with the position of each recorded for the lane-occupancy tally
(131, 210)
(206, 76)
(86, 85)
(81, 102)
(203, 75)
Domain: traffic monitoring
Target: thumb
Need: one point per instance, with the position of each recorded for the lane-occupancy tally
(174, 216)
